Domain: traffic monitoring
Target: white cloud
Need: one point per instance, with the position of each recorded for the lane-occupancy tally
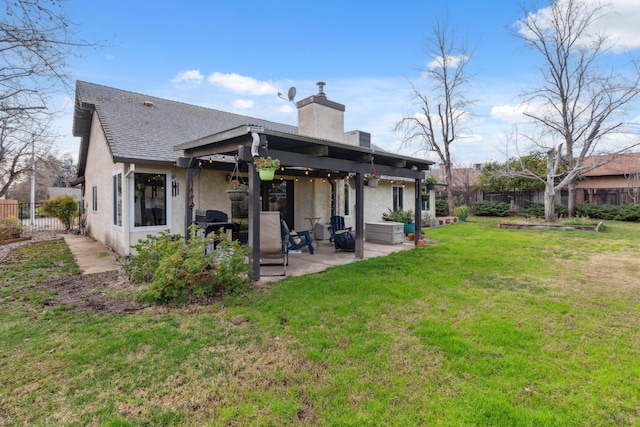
(285, 109)
(243, 103)
(619, 22)
(510, 113)
(242, 84)
(190, 76)
(450, 60)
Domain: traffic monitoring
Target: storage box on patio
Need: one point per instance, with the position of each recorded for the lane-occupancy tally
(387, 232)
(322, 231)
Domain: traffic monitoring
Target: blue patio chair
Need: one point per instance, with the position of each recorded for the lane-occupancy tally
(298, 239)
(337, 227)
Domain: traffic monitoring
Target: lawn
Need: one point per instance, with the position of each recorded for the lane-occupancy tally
(481, 327)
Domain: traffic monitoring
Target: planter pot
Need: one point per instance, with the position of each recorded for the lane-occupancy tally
(373, 183)
(431, 186)
(440, 222)
(463, 217)
(455, 219)
(420, 243)
(411, 236)
(237, 195)
(448, 221)
(267, 174)
(409, 228)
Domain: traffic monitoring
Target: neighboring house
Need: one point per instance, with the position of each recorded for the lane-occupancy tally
(610, 180)
(147, 163)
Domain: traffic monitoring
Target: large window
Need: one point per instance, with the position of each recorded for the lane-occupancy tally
(117, 199)
(150, 201)
(398, 198)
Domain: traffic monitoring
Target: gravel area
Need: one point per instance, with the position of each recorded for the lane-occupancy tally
(36, 236)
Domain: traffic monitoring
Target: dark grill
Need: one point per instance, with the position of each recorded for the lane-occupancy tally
(212, 220)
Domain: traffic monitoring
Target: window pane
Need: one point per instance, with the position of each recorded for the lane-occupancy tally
(94, 198)
(150, 204)
(117, 199)
(398, 201)
(347, 204)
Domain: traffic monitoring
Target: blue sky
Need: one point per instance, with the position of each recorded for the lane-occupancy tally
(236, 55)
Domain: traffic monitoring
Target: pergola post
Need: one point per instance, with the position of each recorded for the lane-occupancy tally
(359, 253)
(254, 221)
(418, 210)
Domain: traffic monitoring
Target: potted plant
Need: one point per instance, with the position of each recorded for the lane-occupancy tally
(405, 217)
(266, 167)
(372, 179)
(461, 212)
(237, 190)
(431, 183)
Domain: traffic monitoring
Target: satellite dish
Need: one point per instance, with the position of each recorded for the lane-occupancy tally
(290, 95)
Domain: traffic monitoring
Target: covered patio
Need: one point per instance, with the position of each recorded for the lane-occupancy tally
(299, 155)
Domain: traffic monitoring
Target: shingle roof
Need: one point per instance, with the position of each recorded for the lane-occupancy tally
(145, 127)
(612, 165)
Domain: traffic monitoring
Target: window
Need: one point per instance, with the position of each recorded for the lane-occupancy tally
(150, 201)
(94, 198)
(117, 199)
(398, 198)
(347, 199)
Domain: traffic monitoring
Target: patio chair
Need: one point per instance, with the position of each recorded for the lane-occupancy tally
(273, 240)
(298, 239)
(337, 227)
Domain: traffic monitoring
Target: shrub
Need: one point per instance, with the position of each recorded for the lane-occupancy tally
(10, 224)
(630, 212)
(536, 210)
(598, 211)
(400, 215)
(179, 270)
(442, 208)
(65, 208)
(491, 209)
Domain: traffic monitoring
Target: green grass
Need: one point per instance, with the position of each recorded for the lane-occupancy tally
(481, 327)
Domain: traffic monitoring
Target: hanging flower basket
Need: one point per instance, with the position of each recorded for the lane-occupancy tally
(266, 167)
(237, 195)
(372, 179)
(237, 190)
(267, 174)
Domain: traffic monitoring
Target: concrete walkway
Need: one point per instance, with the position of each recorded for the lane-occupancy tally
(91, 255)
(94, 257)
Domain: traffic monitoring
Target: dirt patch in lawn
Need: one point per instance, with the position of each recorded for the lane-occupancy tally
(606, 274)
(108, 293)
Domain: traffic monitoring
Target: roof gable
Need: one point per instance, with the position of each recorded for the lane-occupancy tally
(145, 128)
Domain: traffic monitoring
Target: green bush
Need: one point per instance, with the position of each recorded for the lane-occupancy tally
(399, 215)
(598, 211)
(491, 209)
(630, 212)
(536, 210)
(442, 208)
(178, 270)
(65, 208)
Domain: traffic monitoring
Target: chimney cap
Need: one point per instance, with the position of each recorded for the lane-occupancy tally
(321, 93)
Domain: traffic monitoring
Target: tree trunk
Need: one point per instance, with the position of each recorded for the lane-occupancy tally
(571, 201)
(549, 205)
(449, 190)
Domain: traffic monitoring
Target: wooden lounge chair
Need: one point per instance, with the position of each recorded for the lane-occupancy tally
(273, 241)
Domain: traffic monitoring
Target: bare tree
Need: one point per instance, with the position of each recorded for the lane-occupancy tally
(633, 180)
(36, 39)
(443, 107)
(578, 103)
(24, 138)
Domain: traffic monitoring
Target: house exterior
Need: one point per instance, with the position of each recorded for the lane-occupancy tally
(147, 163)
(610, 180)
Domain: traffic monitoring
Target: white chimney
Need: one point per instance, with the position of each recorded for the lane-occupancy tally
(321, 118)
